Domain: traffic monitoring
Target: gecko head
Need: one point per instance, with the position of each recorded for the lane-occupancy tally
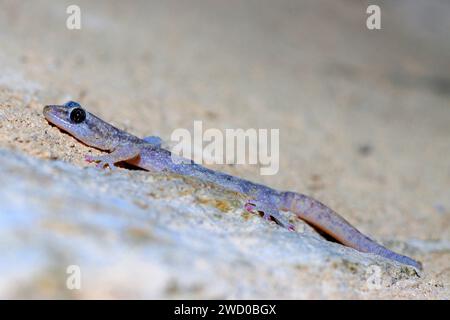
(84, 126)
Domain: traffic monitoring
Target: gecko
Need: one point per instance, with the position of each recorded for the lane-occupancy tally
(148, 154)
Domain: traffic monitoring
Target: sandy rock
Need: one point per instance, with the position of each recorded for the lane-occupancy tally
(143, 235)
(363, 118)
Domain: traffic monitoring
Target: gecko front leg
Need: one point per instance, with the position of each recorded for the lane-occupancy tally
(121, 153)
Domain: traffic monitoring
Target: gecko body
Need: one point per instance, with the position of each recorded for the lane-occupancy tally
(148, 154)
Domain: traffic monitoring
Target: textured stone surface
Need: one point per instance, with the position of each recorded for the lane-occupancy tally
(142, 235)
(363, 119)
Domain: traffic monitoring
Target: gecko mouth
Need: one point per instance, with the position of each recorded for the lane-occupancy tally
(55, 114)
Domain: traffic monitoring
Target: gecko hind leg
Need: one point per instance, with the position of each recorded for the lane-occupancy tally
(269, 212)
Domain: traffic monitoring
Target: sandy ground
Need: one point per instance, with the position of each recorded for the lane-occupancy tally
(363, 115)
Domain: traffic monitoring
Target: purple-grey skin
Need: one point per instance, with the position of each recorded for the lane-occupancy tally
(147, 154)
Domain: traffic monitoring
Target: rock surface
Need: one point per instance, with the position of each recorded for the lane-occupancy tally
(143, 235)
(363, 121)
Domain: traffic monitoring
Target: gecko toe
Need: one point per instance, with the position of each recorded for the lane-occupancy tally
(112, 166)
(269, 213)
(89, 158)
(281, 220)
(100, 165)
(250, 207)
(103, 164)
(267, 216)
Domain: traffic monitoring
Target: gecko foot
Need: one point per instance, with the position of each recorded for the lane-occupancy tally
(102, 161)
(269, 213)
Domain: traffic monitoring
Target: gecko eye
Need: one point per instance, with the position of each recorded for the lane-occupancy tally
(77, 115)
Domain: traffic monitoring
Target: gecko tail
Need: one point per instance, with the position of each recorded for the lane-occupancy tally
(323, 218)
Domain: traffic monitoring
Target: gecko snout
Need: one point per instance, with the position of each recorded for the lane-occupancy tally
(56, 114)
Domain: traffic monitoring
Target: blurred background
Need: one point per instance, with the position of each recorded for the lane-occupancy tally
(364, 115)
